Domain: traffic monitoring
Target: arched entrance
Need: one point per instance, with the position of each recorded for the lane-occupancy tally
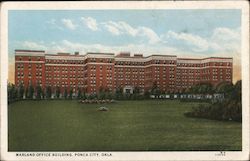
(128, 89)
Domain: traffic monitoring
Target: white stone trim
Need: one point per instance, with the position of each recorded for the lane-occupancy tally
(128, 66)
(79, 57)
(79, 64)
(161, 65)
(99, 56)
(189, 61)
(208, 60)
(131, 59)
(116, 66)
(29, 61)
(163, 57)
(92, 63)
(55, 57)
(145, 59)
(29, 54)
(219, 60)
(146, 66)
(67, 65)
(205, 67)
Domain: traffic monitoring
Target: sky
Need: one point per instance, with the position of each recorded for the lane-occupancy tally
(185, 33)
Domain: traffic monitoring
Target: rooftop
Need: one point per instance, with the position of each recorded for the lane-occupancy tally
(21, 50)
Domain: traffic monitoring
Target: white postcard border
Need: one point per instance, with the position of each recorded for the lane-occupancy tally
(168, 155)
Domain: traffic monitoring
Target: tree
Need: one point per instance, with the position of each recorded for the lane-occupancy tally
(108, 94)
(118, 93)
(91, 96)
(203, 88)
(26, 92)
(228, 109)
(235, 102)
(136, 92)
(43, 93)
(102, 93)
(65, 93)
(70, 93)
(84, 95)
(9, 92)
(79, 93)
(155, 90)
(194, 89)
(38, 92)
(20, 91)
(225, 88)
(48, 92)
(58, 91)
(12, 92)
(146, 94)
(187, 90)
(236, 93)
(30, 91)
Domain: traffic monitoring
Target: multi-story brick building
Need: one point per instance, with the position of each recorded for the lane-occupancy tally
(93, 72)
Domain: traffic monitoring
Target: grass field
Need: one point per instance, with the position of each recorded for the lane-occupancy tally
(129, 125)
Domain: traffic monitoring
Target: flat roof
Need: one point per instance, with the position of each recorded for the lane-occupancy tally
(112, 54)
(99, 53)
(21, 50)
(204, 58)
(218, 58)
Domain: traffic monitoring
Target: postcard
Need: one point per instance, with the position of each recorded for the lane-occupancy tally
(125, 80)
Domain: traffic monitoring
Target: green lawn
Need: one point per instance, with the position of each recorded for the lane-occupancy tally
(129, 125)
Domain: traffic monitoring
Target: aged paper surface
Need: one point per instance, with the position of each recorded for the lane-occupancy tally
(201, 43)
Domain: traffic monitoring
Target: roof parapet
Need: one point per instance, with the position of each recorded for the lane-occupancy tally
(64, 54)
(138, 55)
(124, 54)
(99, 53)
(21, 50)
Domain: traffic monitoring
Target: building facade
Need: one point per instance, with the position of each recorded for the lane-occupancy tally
(94, 72)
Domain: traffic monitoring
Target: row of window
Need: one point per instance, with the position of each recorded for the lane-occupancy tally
(51, 61)
(66, 86)
(20, 58)
(164, 62)
(64, 69)
(67, 82)
(101, 60)
(128, 83)
(93, 67)
(129, 63)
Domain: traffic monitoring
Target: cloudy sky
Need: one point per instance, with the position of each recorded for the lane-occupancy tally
(185, 33)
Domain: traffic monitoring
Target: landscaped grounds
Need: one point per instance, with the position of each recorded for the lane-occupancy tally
(66, 125)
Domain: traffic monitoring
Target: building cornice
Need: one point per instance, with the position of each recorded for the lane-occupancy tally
(29, 54)
(119, 58)
(17, 61)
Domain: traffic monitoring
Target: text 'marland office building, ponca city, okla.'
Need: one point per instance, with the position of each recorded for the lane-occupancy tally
(93, 71)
